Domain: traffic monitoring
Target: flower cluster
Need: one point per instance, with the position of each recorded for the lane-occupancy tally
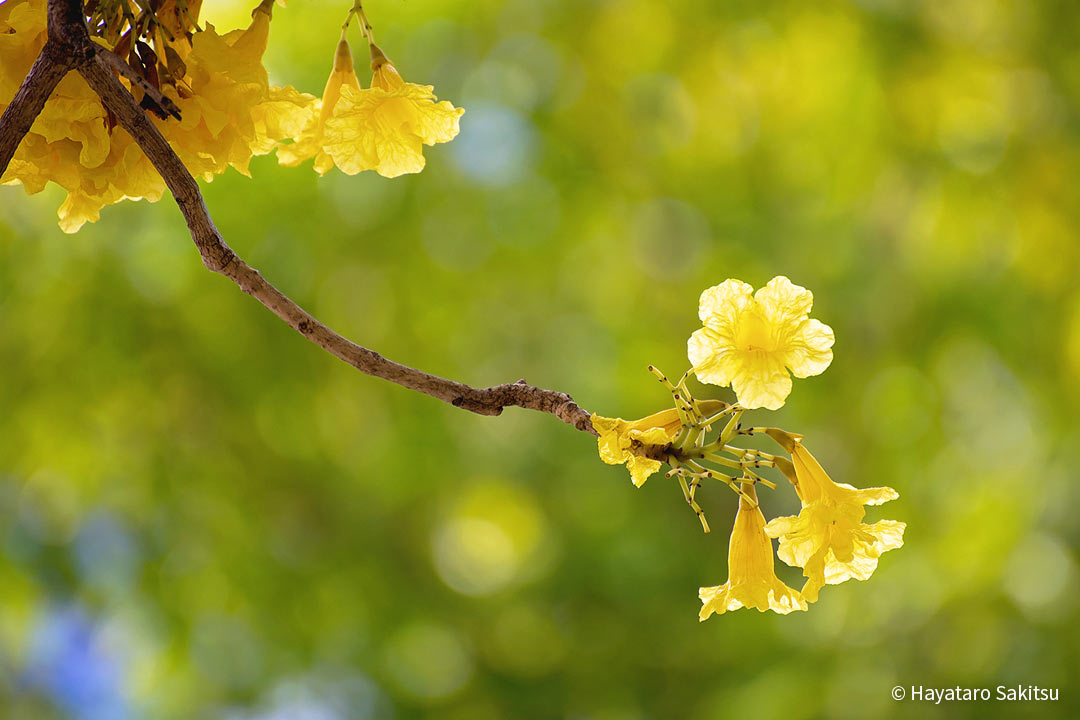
(227, 109)
(222, 110)
(382, 127)
(751, 341)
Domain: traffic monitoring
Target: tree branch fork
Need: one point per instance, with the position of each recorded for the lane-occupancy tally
(69, 48)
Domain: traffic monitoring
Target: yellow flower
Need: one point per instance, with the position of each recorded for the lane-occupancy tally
(751, 340)
(381, 128)
(385, 127)
(621, 440)
(828, 538)
(752, 581)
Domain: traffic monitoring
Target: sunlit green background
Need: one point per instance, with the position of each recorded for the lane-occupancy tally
(204, 516)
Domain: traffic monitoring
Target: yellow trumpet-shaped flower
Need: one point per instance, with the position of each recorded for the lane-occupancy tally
(386, 127)
(381, 128)
(752, 581)
(828, 538)
(750, 340)
(621, 440)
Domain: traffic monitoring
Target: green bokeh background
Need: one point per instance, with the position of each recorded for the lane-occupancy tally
(204, 516)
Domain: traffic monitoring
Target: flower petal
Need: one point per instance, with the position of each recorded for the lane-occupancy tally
(641, 469)
(721, 305)
(888, 534)
(869, 496)
(609, 440)
(809, 350)
(783, 302)
(713, 358)
(668, 420)
(762, 381)
(716, 600)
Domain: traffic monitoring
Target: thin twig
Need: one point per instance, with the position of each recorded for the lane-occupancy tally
(158, 102)
(67, 27)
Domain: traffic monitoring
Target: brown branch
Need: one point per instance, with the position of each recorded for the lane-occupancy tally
(67, 26)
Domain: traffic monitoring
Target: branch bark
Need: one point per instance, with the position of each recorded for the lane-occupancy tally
(69, 46)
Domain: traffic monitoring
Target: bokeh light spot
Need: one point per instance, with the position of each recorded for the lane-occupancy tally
(487, 539)
(668, 237)
(427, 661)
(495, 146)
(1041, 577)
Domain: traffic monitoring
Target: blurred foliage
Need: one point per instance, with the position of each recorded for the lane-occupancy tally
(204, 516)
